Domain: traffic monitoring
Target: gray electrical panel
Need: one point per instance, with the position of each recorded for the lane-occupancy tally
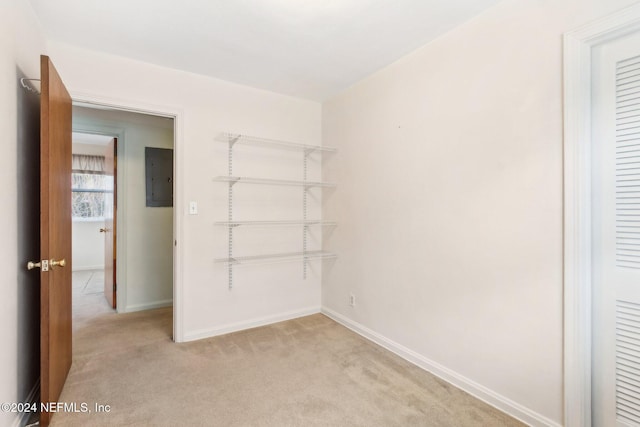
(159, 176)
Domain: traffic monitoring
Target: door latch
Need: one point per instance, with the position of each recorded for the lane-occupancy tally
(42, 265)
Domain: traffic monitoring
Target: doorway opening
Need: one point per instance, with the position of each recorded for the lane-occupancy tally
(142, 249)
(93, 192)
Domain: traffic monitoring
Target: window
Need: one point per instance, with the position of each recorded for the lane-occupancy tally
(88, 186)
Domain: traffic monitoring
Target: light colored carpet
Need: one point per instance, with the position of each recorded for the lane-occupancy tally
(305, 372)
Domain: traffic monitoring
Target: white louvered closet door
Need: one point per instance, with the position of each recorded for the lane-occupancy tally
(616, 233)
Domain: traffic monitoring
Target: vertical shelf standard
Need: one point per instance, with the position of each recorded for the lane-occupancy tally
(231, 140)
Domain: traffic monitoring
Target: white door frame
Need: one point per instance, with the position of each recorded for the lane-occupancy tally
(178, 190)
(578, 45)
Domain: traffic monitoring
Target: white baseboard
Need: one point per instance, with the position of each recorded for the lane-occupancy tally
(32, 397)
(147, 306)
(477, 390)
(248, 324)
(88, 268)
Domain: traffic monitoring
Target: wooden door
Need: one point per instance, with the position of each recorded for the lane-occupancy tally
(55, 236)
(616, 233)
(110, 203)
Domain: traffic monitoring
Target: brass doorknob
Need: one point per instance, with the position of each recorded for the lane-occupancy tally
(31, 265)
(54, 263)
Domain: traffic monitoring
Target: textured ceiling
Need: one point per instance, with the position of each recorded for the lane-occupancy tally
(310, 49)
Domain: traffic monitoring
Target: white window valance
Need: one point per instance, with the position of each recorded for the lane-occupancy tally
(82, 163)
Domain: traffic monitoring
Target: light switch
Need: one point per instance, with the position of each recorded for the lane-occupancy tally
(193, 208)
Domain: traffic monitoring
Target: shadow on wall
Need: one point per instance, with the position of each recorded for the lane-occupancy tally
(28, 244)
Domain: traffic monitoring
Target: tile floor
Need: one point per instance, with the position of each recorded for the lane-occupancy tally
(88, 296)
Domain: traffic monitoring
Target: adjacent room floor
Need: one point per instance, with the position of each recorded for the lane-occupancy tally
(88, 297)
(304, 372)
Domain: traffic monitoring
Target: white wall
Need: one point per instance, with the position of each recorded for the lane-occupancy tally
(210, 106)
(21, 44)
(149, 230)
(87, 244)
(450, 203)
(88, 149)
(145, 252)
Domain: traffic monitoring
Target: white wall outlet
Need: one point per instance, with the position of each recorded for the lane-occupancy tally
(193, 208)
(352, 300)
